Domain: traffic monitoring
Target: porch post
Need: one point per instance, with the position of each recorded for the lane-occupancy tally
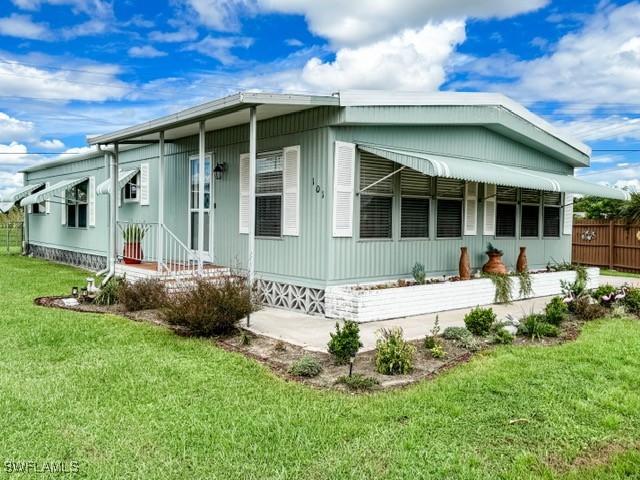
(160, 239)
(252, 195)
(113, 211)
(201, 146)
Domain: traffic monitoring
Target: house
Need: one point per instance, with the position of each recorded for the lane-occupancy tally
(309, 192)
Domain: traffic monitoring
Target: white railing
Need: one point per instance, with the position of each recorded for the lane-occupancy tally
(151, 242)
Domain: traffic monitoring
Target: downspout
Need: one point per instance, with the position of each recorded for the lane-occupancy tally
(106, 161)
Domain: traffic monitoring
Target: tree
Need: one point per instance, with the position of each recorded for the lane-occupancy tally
(630, 211)
(598, 207)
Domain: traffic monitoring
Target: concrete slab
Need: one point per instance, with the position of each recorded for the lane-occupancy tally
(313, 332)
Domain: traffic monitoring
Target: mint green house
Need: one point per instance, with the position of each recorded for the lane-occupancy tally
(308, 192)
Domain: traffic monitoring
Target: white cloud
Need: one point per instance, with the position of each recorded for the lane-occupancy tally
(15, 154)
(222, 15)
(139, 21)
(12, 129)
(9, 182)
(54, 144)
(589, 129)
(220, 47)
(86, 29)
(146, 51)
(293, 42)
(21, 26)
(184, 34)
(93, 8)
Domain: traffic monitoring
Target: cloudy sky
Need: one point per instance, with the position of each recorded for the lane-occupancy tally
(71, 67)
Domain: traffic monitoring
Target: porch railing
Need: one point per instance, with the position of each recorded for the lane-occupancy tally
(151, 242)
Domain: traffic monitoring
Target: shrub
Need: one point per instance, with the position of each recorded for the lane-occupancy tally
(394, 355)
(555, 311)
(455, 333)
(536, 326)
(211, 308)
(632, 300)
(438, 352)
(469, 342)
(306, 366)
(502, 337)
(109, 294)
(419, 273)
(345, 343)
(479, 320)
(619, 311)
(280, 346)
(143, 295)
(358, 382)
(602, 291)
(585, 310)
(430, 342)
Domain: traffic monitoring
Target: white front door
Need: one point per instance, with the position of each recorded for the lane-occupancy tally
(195, 183)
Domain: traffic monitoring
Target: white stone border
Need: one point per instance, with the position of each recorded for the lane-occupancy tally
(370, 305)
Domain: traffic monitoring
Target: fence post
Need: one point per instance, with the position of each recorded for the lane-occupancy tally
(611, 246)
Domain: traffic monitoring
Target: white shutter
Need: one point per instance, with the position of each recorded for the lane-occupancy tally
(244, 193)
(471, 208)
(47, 204)
(568, 214)
(343, 177)
(92, 201)
(489, 203)
(144, 184)
(28, 208)
(291, 191)
(63, 211)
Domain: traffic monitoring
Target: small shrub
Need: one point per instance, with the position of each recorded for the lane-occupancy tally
(358, 382)
(306, 366)
(211, 309)
(280, 346)
(394, 355)
(419, 273)
(438, 352)
(143, 295)
(469, 342)
(605, 290)
(430, 342)
(109, 294)
(345, 343)
(536, 326)
(244, 338)
(585, 310)
(555, 311)
(479, 320)
(455, 333)
(632, 300)
(619, 311)
(502, 337)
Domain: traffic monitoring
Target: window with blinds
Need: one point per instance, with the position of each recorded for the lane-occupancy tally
(450, 193)
(529, 220)
(551, 214)
(506, 198)
(269, 195)
(376, 201)
(414, 209)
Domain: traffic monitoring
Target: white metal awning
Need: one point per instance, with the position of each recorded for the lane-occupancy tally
(11, 198)
(6, 206)
(56, 190)
(123, 177)
(493, 173)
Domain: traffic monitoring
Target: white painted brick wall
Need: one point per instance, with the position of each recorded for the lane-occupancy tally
(370, 305)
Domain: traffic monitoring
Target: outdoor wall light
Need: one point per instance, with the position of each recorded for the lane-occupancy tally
(219, 169)
(74, 292)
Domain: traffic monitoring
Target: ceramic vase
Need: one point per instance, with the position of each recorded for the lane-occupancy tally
(464, 266)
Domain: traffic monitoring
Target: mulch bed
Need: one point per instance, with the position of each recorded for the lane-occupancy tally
(279, 355)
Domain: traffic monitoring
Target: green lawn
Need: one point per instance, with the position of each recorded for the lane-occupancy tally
(615, 273)
(131, 400)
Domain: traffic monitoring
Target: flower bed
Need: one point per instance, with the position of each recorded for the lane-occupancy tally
(353, 302)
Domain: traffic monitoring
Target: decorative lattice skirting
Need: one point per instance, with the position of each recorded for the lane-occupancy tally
(292, 297)
(84, 260)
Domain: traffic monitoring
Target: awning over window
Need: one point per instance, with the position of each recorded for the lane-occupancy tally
(57, 190)
(123, 177)
(6, 206)
(11, 198)
(486, 172)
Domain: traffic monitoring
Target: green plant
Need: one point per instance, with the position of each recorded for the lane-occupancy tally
(469, 342)
(394, 355)
(280, 346)
(244, 338)
(605, 290)
(345, 342)
(632, 300)
(502, 337)
(585, 308)
(438, 352)
(555, 310)
(110, 293)
(306, 366)
(619, 311)
(536, 326)
(211, 308)
(492, 249)
(419, 273)
(134, 232)
(148, 293)
(430, 342)
(503, 284)
(358, 381)
(455, 333)
(479, 320)
(526, 289)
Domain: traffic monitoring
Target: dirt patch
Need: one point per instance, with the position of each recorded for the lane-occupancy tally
(279, 355)
(592, 457)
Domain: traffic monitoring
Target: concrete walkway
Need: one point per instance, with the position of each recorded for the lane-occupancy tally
(313, 332)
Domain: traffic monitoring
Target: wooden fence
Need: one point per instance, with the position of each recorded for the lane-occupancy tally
(607, 244)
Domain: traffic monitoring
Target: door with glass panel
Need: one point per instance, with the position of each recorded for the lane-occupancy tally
(195, 183)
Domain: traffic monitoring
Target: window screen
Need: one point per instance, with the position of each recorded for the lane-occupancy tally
(375, 216)
(449, 218)
(529, 221)
(506, 220)
(377, 200)
(269, 195)
(414, 215)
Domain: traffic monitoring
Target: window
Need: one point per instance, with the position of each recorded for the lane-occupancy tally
(76, 199)
(376, 201)
(38, 208)
(551, 214)
(530, 213)
(449, 209)
(132, 188)
(414, 209)
(269, 194)
(506, 198)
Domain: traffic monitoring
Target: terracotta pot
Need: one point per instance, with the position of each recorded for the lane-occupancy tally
(132, 253)
(464, 266)
(521, 264)
(494, 265)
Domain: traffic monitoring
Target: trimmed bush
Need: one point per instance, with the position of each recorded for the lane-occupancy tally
(536, 326)
(110, 293)
(602, 291)
(306, 366)
(587, 311)
(394, 355)
(455, 333)
(345, 343)
(211, 308)
(502, 337)
(555, 311)
(358, 381)
(143, 295)
(479, 321)
(632, 300)
(430, 342)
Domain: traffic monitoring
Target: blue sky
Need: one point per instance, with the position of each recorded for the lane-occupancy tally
(71, 67)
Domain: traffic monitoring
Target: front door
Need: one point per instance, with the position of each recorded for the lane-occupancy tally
(196, 182)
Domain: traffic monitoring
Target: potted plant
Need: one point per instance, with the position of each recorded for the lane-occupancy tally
(133, 234)
(494, 265)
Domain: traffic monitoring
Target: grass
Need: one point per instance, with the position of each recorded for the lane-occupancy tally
(131, 400)
(615, 273)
